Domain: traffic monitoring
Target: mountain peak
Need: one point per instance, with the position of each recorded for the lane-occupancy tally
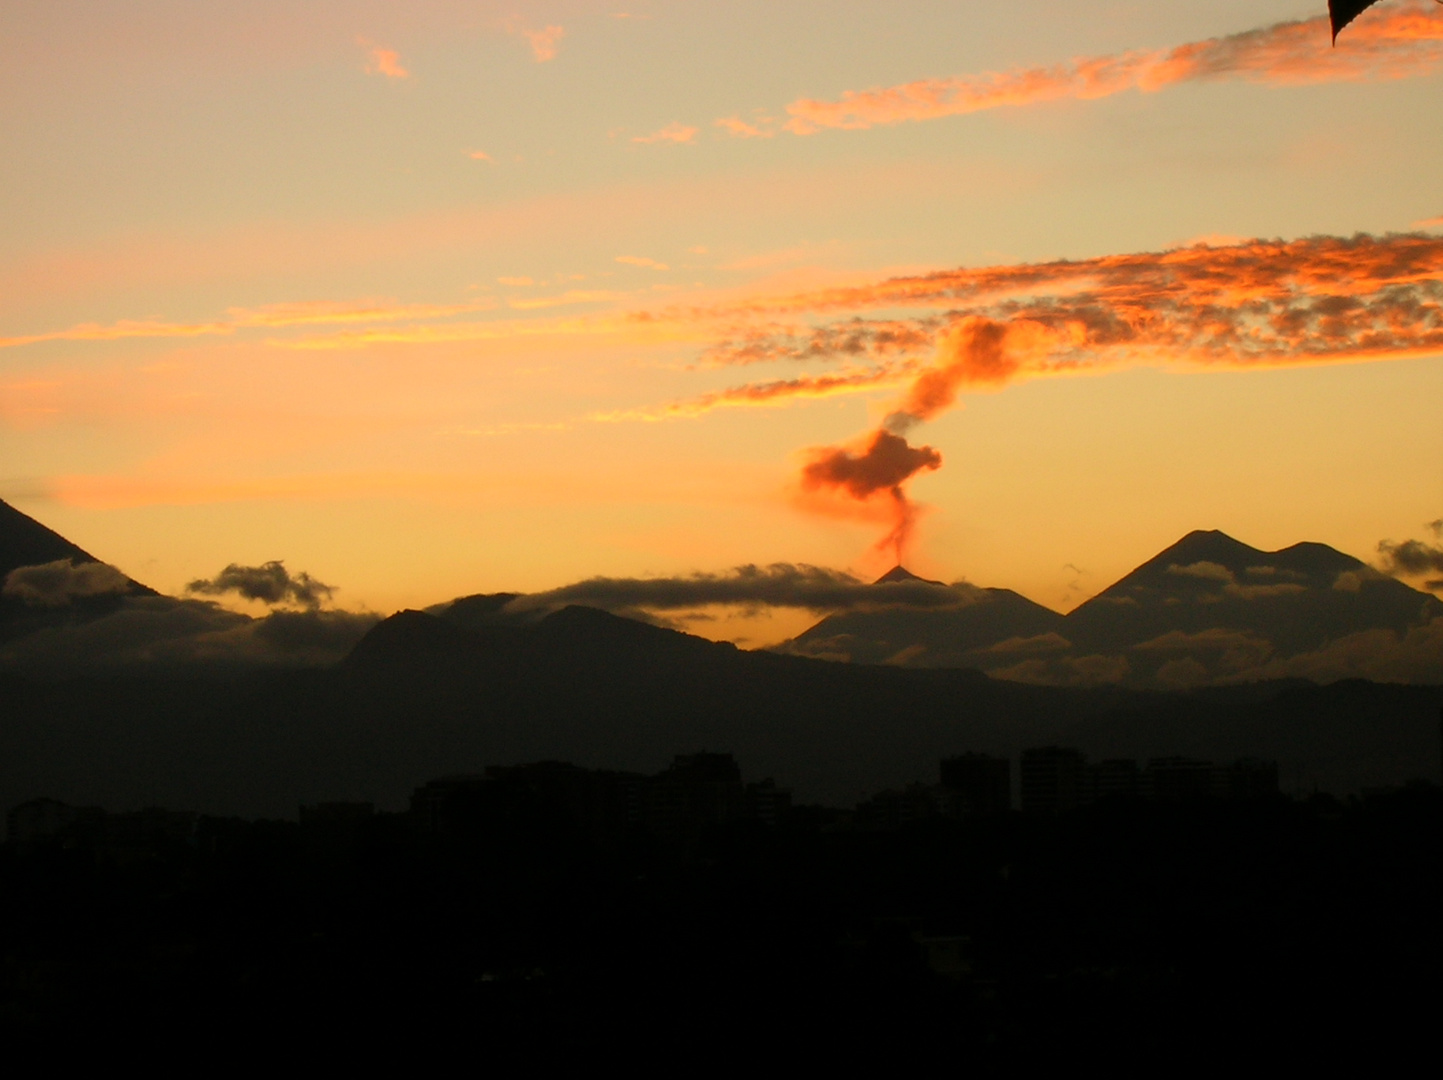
(1205, 545)
(901, 573)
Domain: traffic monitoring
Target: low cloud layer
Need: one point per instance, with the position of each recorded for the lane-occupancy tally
(1416, 558)
(57, 584)
(163, 632)
(812, 588)
(270, 583)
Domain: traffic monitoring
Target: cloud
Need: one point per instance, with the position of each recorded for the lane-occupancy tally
(543, 41)
(1430, 223)
(1094, 670)
(1413, 558)
(812, 588)
(1401, 40)
(56, 584)
(1380, 655)
(738, 128)
(1260, 303)
(160, 631)
(1049, 642)
(641, 260)
(271, 583)
(381, 61)
(672, 133)
(775, 392)
(1207, 571)
(846, 338)
(479, 155)
(271, 316)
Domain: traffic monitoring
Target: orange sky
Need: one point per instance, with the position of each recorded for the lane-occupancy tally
(446, 298)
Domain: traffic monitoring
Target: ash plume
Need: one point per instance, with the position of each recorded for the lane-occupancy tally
(876, 469)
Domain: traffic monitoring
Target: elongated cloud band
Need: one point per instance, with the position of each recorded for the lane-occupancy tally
(1393, 41)
(1254, 304)
(1261, 303)
(271, 317)
(812, 588)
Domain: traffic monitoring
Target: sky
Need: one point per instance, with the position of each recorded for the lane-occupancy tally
(438, 298)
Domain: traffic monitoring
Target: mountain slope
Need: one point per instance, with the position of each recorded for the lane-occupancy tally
(26, 542)
(1207, 609)
(958, 636)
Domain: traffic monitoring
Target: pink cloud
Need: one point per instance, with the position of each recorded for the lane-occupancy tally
(381, 61)
(1396, 41)
(642, 261)
(543, 41)
(672, 133)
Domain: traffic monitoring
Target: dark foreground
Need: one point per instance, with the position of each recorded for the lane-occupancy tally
(1111, 935)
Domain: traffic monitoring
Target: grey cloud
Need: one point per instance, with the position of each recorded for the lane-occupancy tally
(1206, 571)
(812, 588)
(270, 583)
(1411, 557)
(1028, 646)
(1380, 655)
(1094, 670)
(56, 584)
(161, 631)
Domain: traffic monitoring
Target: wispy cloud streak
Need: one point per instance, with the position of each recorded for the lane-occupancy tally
(774, 392)
(1393, 41)
(273, 316)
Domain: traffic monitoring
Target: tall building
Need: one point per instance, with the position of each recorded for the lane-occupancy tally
(1172, 779)
(977, 785)
(1054, 779)
(1117, 778)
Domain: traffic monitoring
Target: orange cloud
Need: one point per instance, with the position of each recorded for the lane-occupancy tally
(639, 260)
(672, 133)
(1396, 41)
(1430, 223)
(273, 316)
(1261, 302)
(741, 129)
(543, 42)
(385, 62)
(775, 392)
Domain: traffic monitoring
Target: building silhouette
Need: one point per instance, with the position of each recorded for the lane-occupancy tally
(1053, 780)
(976, 785)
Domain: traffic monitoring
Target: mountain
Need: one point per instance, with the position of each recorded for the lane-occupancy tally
(421, 696)
(1298, 598)
(92, 589)
(1207, 609)
(26, 542)
(949, 636)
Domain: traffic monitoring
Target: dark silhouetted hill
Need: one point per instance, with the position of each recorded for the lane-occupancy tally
(950, 636)
(420, 697)
(1207, 610)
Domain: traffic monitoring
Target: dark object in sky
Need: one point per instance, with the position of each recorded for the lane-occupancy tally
(1342, 12)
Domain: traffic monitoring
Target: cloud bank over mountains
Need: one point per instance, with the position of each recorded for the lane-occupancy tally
(71, 617)
(1208, 610)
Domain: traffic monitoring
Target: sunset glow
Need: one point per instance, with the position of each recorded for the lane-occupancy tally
(444, 298)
